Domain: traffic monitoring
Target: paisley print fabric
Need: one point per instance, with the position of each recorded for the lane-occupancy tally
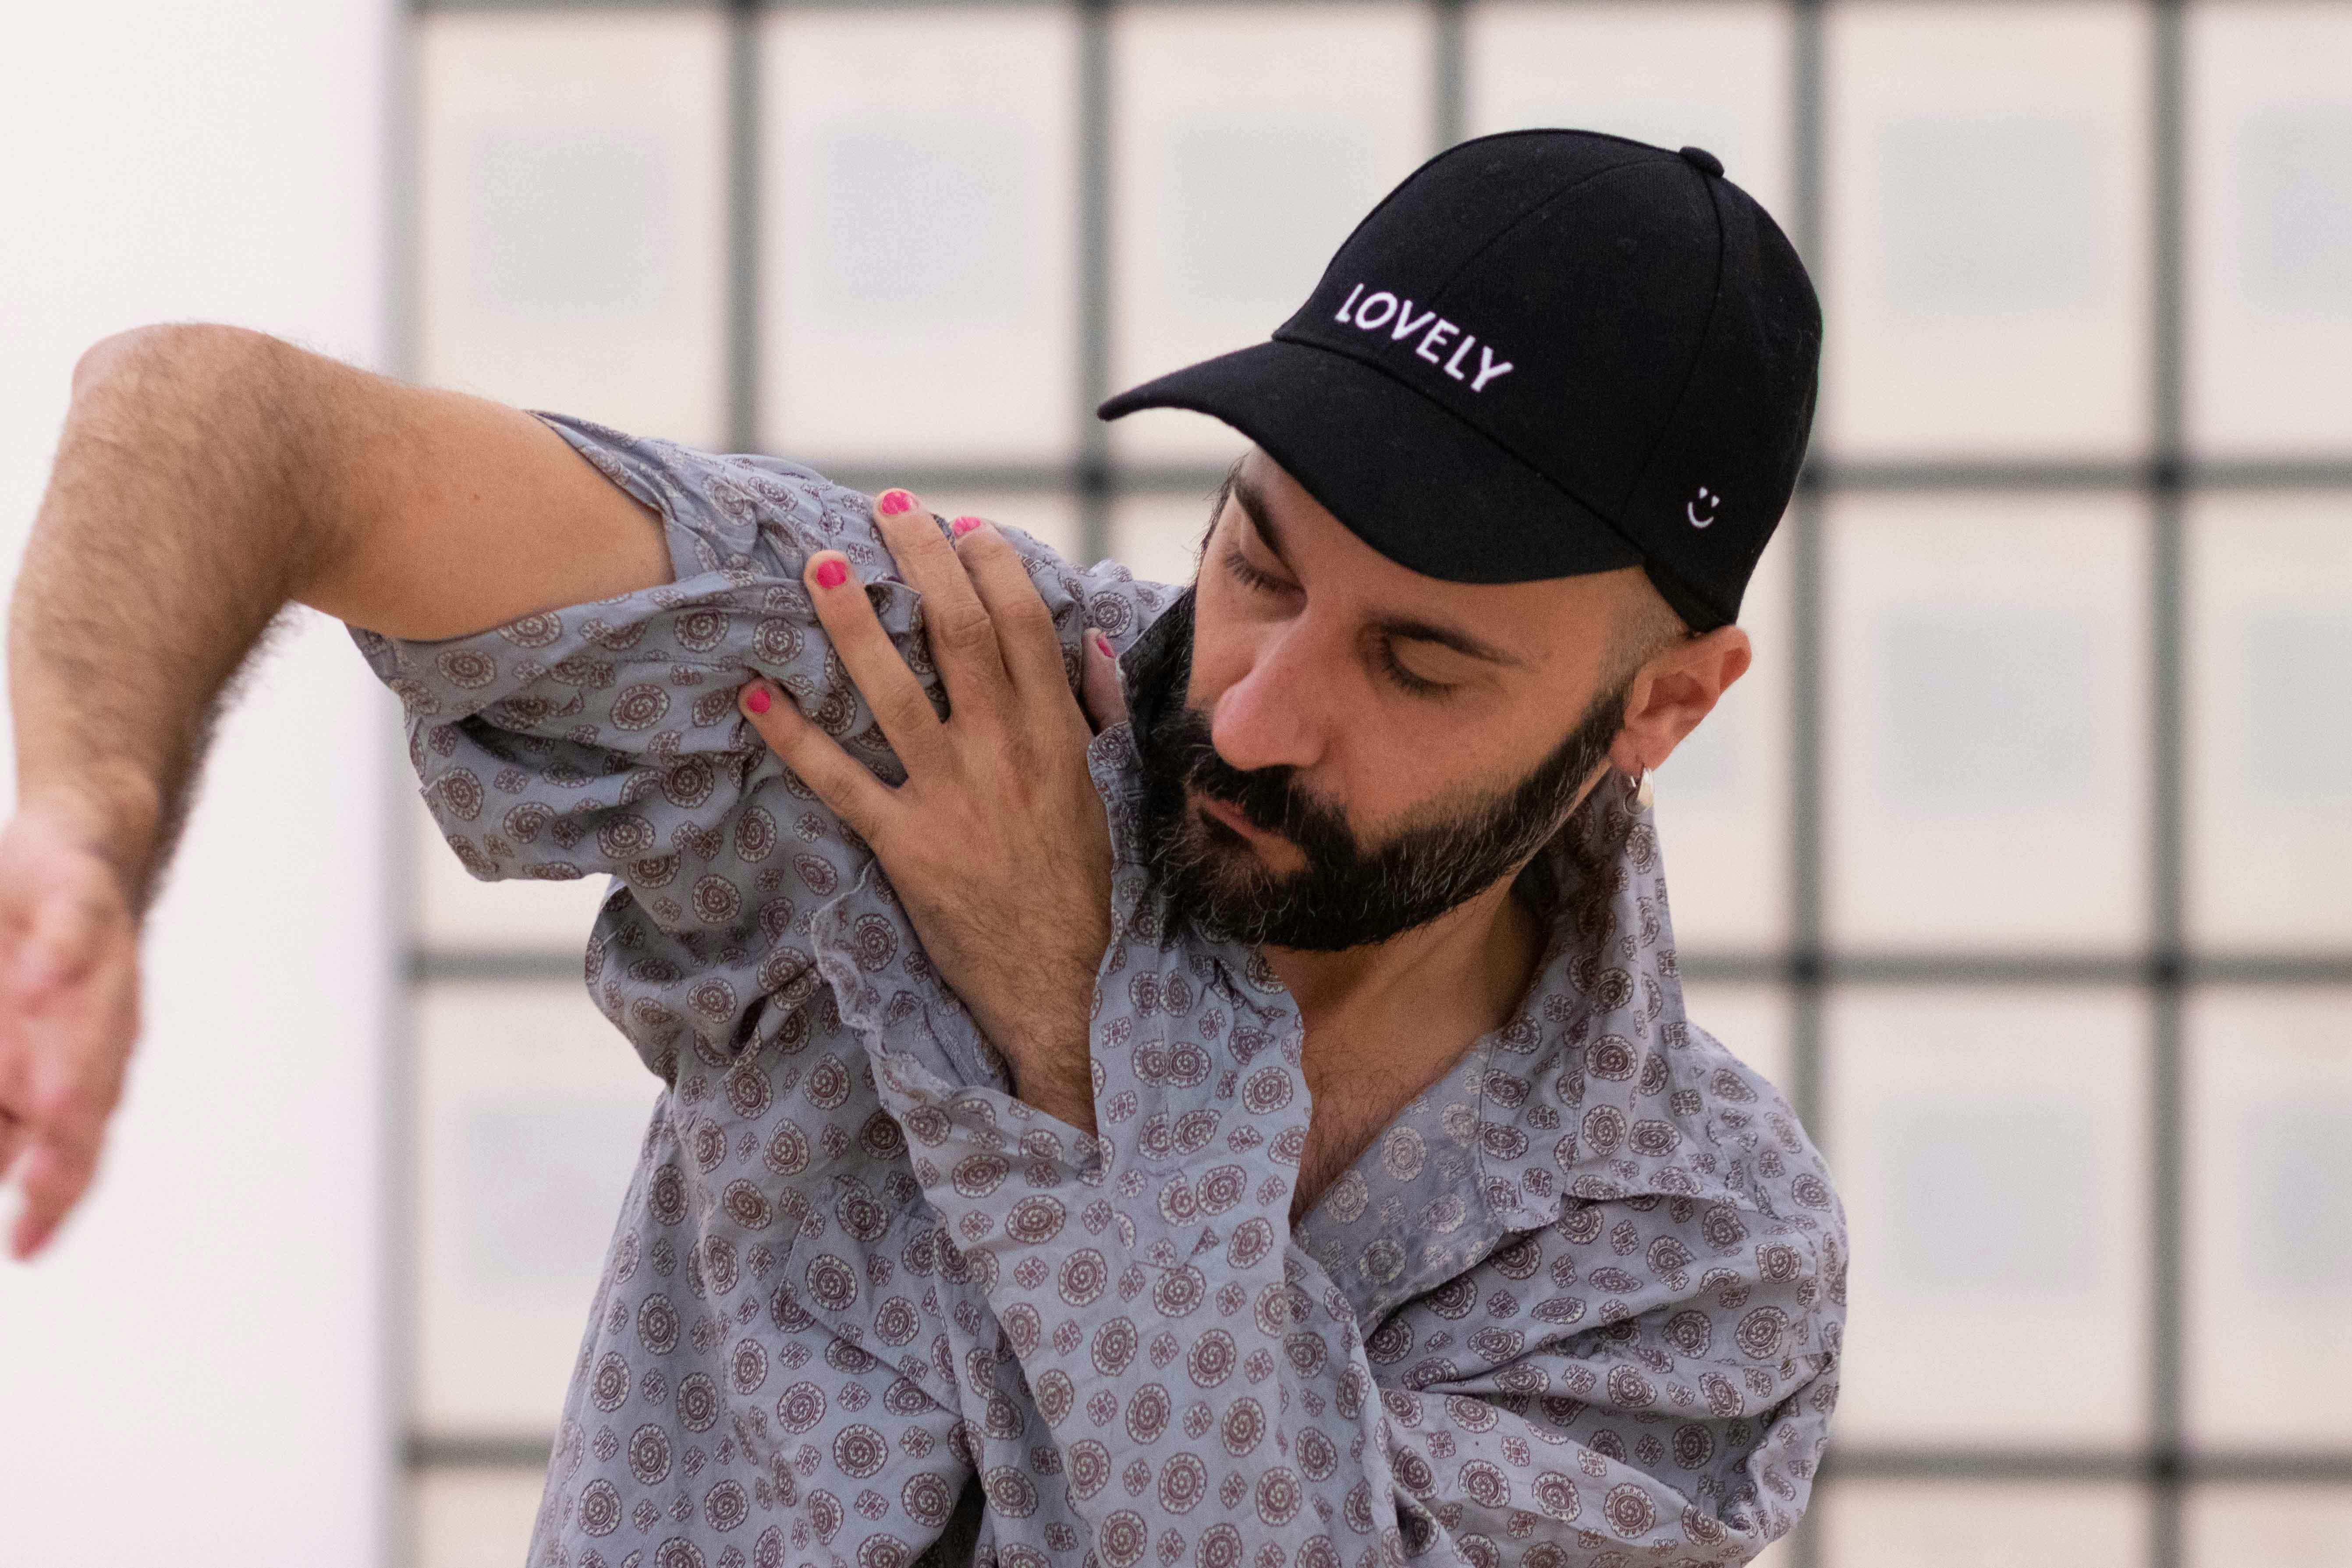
(1580, 1304)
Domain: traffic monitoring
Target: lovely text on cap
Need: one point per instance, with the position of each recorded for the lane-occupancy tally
(1382, 309)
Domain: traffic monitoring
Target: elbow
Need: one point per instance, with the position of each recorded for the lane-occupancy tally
(165, 350)
(211, 417)
(121, 356)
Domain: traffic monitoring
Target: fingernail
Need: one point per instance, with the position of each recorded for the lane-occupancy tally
(832, 575)
(1102, 645)
(963, 525)
(892, 503)
(758, 701)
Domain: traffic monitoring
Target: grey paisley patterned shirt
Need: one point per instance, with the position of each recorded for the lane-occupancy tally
(1580, 1304)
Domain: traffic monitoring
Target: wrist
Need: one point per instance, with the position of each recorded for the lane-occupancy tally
(1052, 1068)
(113, 814)
(1076, 1108)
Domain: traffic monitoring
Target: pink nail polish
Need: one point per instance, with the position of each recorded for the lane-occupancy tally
(832, 575)
(1103, 644)
(758, 701)
(963, 525)
(893, 502)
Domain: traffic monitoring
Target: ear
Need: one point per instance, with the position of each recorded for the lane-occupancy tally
(1679, 687)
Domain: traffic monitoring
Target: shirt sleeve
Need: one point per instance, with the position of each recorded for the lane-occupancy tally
(603, 739)
(1646, 1376)
(1689, 1418)
(743, 927)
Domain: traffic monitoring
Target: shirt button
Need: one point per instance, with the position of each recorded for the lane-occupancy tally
(1705, 161)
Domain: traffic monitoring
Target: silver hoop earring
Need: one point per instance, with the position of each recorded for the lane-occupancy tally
(1644, 795)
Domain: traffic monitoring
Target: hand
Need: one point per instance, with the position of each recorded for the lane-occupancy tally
(68, 1012)
(997, 843)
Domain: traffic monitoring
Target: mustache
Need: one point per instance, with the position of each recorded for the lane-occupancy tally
(1269, 798)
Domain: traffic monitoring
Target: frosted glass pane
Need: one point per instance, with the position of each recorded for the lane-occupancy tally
(1988, 212)
(1987, 748)
(1159, 537)
(455, 912)
(1712, 76)
(920, 239)
(2271, 1216)
(474, 1519)
(2269, 753)
(1967, 1524)
(1248, 142)
(1752, 1021)
(2269, 232)
(1723, 796)
(531, 1110)
(1991, 1149)
(573, 177)
(2269, 1527)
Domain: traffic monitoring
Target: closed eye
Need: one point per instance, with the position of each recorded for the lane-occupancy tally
(1250, 576)
(1406, 680)
(1391, 670)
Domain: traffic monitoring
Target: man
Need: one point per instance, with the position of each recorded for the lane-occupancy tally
(1265, 1132)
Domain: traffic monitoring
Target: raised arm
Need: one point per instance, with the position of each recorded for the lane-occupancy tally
(205, 478)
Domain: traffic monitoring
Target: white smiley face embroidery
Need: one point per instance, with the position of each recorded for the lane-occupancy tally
(1706, 497)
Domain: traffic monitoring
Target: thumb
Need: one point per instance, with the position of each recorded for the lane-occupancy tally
(1098, 685)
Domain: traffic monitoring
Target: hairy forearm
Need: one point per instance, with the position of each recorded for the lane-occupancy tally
(1051, 1068)
(179, 519)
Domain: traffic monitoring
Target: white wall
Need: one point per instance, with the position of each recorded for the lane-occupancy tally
(198, 1364)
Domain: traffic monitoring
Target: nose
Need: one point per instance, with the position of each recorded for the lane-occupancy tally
(1271, 717)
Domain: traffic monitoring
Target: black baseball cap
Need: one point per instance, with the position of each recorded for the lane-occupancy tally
(1547, 353)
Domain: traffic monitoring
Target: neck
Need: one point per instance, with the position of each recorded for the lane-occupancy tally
(1477, 960)
(1384, 1021)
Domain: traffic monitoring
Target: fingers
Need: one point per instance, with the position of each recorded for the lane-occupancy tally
(12, 1206)
(900, 703)
(48, 1180)
(13, 1141)
(69, 1016)
(841, 780)
(78, 1035)
(52, 1155)
(1025, 628)
(1105, 695)
(963, 639)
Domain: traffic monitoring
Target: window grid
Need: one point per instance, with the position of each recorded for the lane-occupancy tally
(1808, 965)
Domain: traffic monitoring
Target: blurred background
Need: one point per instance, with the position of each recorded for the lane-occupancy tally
(2020, 861)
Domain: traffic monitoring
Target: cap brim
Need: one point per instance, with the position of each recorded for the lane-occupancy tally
(1404, 474)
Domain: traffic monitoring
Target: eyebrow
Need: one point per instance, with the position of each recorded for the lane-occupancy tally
(1410, 629)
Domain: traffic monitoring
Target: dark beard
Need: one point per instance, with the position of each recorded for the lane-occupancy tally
(1346, 895)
